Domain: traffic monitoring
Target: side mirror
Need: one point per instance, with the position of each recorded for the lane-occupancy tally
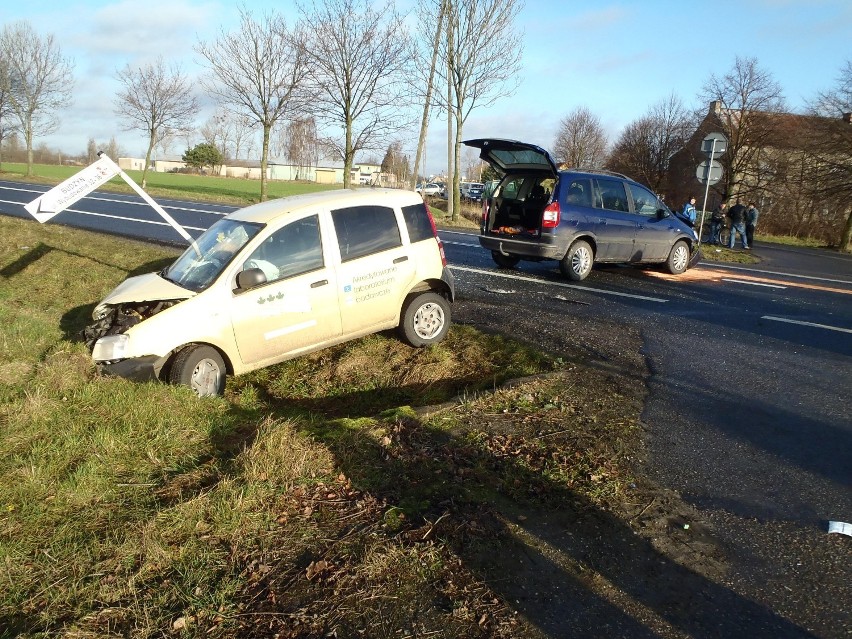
(250, 278)
(662, 214)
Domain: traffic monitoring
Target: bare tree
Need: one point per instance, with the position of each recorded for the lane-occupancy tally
(646, 145)
(156, 100)
(301, 145)
(482, 55)
(829, 167)
(39, 79)
(358, 62)
(742, 98)
(395, 163)
(7, 127)
(257, 72)
(581, 142)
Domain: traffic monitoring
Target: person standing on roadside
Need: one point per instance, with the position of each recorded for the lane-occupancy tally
(689, 210)
(751, 223)
(737, 213)
(717, 220)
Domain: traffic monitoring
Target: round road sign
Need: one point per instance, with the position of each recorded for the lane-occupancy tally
(709, 172)
(714, 145)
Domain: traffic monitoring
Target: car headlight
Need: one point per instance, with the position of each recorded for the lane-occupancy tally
(111, 347)
(695, 233)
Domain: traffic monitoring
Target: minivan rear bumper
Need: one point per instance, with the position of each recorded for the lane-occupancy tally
(541, 249)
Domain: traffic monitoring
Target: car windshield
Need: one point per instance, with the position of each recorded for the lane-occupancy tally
(196, 270)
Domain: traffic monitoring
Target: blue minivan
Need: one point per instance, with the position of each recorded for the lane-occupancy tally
(577, 217)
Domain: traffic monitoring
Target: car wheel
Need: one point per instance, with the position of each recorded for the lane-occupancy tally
(201, 368)
(425, 319)
(577, 263)
(678, 258)
(505, 261)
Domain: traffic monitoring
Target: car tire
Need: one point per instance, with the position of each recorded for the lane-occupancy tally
(578, 261)
(425, 319)
(678, 260)
(200, 367)
(505, 261)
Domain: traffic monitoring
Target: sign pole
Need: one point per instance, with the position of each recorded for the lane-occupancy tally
(706, 191)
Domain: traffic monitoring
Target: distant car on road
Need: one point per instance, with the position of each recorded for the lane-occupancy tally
(576, 217)
(430, 188)
(471, 191)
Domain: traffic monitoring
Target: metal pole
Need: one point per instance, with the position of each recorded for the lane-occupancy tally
(706, 188)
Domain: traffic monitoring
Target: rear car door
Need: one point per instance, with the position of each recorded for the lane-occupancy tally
(375, 270)
(615, 227)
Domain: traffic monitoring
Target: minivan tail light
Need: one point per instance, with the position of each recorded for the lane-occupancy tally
(551, 216)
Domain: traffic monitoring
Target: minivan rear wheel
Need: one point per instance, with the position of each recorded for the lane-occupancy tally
(425, 319)
(505, 260)
(201, 368)
(577, 263)
(678, 258)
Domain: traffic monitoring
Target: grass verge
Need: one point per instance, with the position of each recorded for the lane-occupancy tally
(333, 495)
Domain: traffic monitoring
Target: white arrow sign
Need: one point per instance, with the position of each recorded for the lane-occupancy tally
(63, 195)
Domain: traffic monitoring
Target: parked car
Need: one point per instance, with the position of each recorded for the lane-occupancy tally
(576, 217)
(276, 280)
(471, 191)
(429, 189)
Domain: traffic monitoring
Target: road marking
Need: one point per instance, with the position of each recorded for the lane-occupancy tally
(777, 274)
(587, 289)
(458, 243)
(751, 283)
(789, 321)
(131, 219)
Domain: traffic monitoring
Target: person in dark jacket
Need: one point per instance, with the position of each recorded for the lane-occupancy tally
(751, 223)
(737, 213)
(717, 220)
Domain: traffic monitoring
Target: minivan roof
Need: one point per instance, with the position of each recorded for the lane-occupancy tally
(509, 156)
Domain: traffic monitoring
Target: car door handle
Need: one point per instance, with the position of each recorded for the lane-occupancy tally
(319, 283)
(602, 221)
(400, 259)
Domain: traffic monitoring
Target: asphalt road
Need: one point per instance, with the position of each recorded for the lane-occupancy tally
(747, 409)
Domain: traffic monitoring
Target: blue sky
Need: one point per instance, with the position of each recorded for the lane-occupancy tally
(616, 58)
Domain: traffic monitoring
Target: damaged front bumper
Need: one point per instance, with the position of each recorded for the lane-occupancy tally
(138, 369)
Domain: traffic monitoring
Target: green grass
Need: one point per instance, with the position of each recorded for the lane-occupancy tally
(302, 498)
(225, 190)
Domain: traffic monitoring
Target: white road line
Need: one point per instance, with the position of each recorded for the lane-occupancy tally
(459, 243)
(775, 273)
(789, 321)
(586, 289)
(730, 279)
(132, 219)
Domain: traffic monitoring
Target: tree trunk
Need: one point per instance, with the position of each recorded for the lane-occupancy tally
(264, 154)
(28, 134)
(152, 139)
(450, 178)
(846, 237)
(424, 123)
(348, 156)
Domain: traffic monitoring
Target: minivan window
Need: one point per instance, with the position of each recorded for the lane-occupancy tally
(579, 192)
(613, 196)
(644, 202)
(417, 222)
(292, 250)
(363, 230)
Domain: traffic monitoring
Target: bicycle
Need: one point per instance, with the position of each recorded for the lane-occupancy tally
(724, 235)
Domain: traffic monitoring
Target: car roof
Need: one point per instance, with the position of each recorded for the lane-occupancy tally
(509, 156)
(270, 210)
